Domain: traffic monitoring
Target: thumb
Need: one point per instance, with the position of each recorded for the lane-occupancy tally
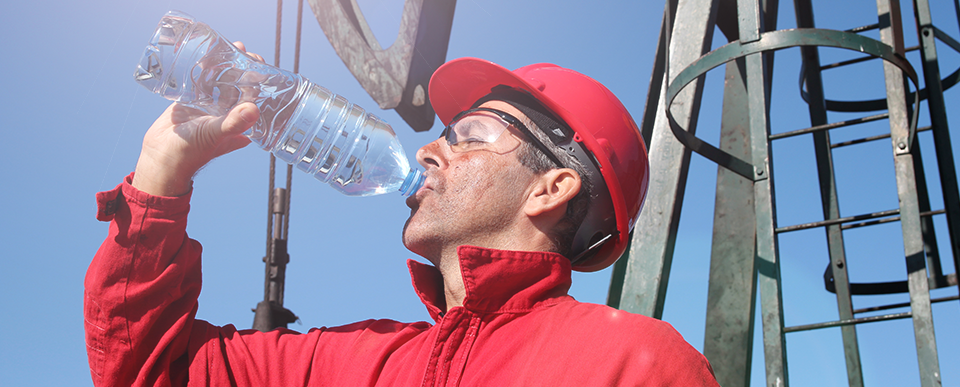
(239, 119)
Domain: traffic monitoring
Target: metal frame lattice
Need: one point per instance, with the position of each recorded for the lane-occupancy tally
(745, 255)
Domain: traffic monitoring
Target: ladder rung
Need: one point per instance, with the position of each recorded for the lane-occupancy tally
(847, 62)
(907, 304)
(840, 323)
(865, 220)
(888, 220)
(872, 138)
(831, 222)
(893, 287)
(946, 39)
(867, 27)
(861, 59)
(820, 128)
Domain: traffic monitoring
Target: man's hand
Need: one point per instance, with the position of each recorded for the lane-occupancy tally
(182, 140)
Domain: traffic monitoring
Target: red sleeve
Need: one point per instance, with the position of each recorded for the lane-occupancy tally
(140, 291)
(140, 304)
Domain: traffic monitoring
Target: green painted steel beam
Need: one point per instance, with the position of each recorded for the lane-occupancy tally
(732, 293)
(767, 255)
(837, 263)
(891, 32)
(732, 290)
(938, 117)
(647, 264)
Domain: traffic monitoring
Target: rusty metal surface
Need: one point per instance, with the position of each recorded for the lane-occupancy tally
(270, 313)
(397, 76)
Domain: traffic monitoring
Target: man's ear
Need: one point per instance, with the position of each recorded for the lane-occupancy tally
(552, 190)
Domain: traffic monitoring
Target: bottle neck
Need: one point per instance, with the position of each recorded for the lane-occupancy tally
(413, 182)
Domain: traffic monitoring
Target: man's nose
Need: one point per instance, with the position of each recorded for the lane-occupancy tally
(432, 154)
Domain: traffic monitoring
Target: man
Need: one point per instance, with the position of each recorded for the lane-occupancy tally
(538, 171)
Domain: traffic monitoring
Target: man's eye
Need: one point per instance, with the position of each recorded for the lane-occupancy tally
(470, 143)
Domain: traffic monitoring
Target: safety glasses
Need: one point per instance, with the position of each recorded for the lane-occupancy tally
(481, 129)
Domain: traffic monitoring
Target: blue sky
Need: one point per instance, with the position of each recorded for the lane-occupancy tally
(73, 119)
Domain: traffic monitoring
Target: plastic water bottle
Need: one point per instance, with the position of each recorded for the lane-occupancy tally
(300, 122)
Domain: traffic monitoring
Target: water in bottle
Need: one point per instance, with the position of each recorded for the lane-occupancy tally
(302, 123)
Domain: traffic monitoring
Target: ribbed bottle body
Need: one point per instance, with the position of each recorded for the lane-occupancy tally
(302, 123)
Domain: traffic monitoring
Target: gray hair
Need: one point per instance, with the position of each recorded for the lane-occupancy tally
(531, 157)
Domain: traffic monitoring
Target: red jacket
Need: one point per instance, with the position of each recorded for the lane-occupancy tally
(518, 326)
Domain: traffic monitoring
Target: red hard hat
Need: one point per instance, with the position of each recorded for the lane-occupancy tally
(602, 124)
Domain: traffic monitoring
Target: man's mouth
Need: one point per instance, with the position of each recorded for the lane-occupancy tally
(413, 201)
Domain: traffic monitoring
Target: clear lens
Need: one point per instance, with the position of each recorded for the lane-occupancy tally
(477, 130)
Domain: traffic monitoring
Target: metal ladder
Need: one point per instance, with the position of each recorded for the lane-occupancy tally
(745, 254)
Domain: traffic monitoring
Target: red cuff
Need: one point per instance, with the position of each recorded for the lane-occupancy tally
(108, 202)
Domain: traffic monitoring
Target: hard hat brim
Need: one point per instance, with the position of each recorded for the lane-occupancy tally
(457, 84)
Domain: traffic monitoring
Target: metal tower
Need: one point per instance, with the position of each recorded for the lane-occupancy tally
(745, 258)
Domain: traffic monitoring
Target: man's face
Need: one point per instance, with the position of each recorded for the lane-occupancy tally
(470, 197)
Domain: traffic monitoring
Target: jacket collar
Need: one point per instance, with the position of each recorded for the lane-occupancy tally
(497, 281)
